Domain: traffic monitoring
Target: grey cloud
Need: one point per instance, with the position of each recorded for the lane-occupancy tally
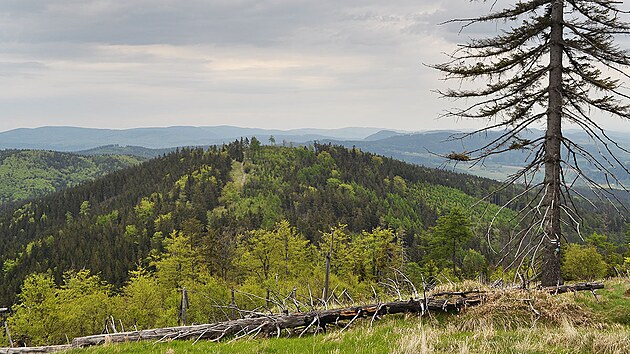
(178, 22)
(160, 62)
(21, 69)
(158, 21)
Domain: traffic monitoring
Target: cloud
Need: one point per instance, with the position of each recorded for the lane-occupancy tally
(21, 69)
(268, 63)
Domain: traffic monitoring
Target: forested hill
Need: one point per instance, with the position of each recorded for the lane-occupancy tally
(26, 174)
(127, 219)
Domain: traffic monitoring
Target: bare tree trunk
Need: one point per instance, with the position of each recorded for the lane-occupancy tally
(273, 324)
(551, 223)
(328, 258)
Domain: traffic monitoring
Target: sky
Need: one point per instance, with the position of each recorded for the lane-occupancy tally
(262, 63)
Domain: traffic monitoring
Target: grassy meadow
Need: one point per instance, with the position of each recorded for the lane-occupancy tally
(509, 322)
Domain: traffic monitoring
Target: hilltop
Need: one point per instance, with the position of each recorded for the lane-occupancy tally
(258, 219)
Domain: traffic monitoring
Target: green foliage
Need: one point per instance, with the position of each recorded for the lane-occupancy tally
(446, 240)
(582, 262)
(47, 314)
(609, 251)
(377, 253)
(143, 302)
(26, 174)
(474, 264)
(274, 256)
(256, 220)
(178, 263)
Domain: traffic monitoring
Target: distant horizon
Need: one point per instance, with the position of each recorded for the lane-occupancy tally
(406, 131)
(226, 125)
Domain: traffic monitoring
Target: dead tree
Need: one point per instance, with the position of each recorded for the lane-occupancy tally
(548, 69)
(274, 324)
(297, 323)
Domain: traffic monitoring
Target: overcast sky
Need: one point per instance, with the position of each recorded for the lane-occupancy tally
(263, 63)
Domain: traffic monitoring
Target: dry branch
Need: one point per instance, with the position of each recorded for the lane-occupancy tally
(259, 323)
(268, 324)
(573, 288)
(33, 350)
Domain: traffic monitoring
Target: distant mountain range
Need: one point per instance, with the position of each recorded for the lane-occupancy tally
(75, 139)
(423, 148)
(429, 148)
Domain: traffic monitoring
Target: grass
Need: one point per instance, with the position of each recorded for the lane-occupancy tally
(615, 301)
(507, 323)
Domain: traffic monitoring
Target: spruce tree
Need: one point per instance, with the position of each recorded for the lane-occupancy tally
(557, 64)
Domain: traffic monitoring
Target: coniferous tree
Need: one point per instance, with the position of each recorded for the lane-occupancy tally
(558, 64)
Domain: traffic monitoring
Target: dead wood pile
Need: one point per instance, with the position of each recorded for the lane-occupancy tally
(300, 322)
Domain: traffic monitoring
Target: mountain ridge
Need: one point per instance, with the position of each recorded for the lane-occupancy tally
(67, 138)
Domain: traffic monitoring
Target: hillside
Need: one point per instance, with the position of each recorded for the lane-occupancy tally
(425, 148)
(428, 149)
(26, 174)
(118, 220)
(257, 219)
(129, 150)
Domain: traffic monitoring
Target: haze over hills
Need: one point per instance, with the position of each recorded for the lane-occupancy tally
(428, 149)
(74, 138)
(423, 148)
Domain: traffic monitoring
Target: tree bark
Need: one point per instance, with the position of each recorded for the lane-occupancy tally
(550, 272)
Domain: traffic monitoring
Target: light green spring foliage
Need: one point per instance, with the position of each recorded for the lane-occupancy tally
(29, 173)
(275, 255)
(271, 265)
(444, 199)
(50, 314)
(582, 262)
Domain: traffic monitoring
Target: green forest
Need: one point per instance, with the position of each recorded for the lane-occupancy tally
(26, 174)
(252, 225)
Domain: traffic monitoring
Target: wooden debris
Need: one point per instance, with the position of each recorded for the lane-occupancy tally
(269, 324)
(273, 324)
(574, 287)
(33, 350)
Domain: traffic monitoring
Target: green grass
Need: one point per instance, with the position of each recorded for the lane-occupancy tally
(614, 303)
(602, 328)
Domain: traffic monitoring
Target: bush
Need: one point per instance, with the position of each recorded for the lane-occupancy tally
(474, 264)
(583, 263)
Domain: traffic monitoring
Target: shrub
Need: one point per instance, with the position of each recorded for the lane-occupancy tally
(582, 263)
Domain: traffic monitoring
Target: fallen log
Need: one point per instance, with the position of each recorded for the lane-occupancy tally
(269, 324)
(574, 287)
(275, 323)
(34, 350)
